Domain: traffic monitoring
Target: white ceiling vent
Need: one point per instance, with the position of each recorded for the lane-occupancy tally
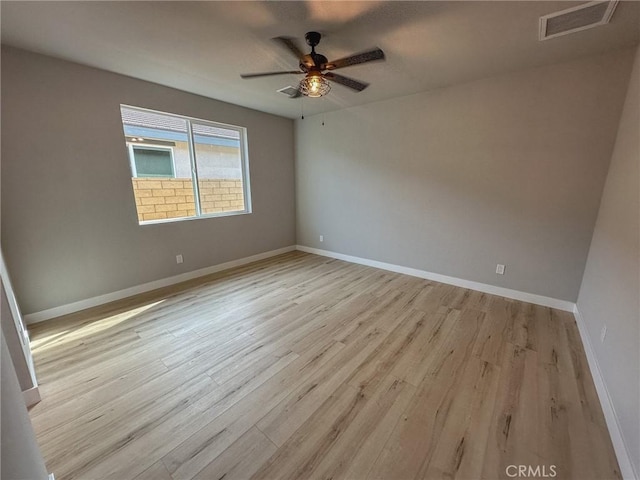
(289, 91)
(575, 19)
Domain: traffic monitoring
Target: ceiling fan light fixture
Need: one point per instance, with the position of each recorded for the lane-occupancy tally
(314, 85)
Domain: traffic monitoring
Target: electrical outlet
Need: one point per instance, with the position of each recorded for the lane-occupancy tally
(500, 269)
(321, 238)
(603, 333)
(179, 258)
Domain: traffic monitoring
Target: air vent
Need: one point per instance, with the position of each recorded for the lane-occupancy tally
(575, 19)
(289, 91)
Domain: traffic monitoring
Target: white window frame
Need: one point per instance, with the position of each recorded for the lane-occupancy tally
(244, 165)
(132, 145)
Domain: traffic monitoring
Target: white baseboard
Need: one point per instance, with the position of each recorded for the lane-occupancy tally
(622, 453)
(31, 396)
(458, 282)
(146, 287)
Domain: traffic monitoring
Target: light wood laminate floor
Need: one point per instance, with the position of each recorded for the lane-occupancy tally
(302, 367)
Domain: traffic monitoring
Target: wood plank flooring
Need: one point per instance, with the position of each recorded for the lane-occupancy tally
(303, 367)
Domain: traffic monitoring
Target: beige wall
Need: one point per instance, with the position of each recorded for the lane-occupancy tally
(69, 223)
(610, 292)
(503, 170)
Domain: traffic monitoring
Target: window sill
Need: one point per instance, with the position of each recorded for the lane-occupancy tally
(201, 217)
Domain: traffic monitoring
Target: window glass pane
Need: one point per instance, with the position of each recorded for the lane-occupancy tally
(219, 165)
(153, 162)
(160, 164)
(168, 152)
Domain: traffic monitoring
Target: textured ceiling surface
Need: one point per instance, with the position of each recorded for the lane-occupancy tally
(203, 47)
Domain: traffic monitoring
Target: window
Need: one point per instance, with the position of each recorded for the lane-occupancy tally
(182, 167)
(151, 161)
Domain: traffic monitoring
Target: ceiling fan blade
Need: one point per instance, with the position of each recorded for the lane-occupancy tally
(346, 81)
(356, 59)
(267, 74)
(290, 44)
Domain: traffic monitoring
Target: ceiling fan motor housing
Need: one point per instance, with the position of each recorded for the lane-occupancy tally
(313, 61)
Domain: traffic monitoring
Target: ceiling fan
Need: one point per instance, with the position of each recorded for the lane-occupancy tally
(318, 70)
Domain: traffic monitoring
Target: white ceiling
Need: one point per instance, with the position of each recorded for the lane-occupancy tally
(202, 47)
